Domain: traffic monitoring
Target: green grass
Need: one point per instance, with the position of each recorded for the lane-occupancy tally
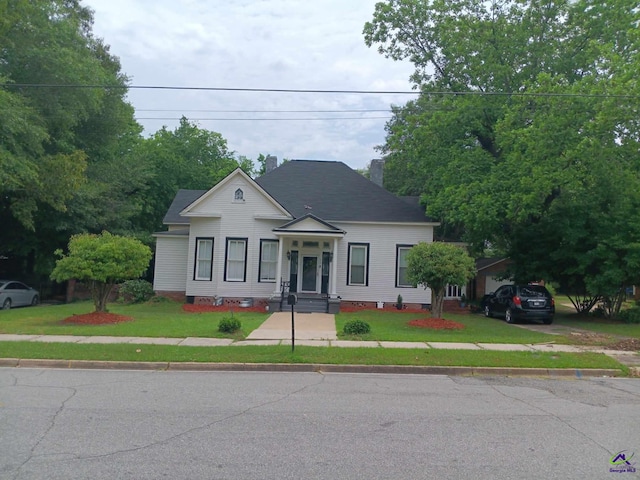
(599, 325)
(392, 326)
(323, 355)
(162, 319)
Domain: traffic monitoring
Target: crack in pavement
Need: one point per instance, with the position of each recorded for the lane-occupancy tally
(553, 415)
(52, 424)
(208, 425)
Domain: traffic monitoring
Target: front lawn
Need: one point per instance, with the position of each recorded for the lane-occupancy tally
(392, 326)
(161, 319)
(598, 325)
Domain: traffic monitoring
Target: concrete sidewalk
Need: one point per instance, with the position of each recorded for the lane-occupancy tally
(218, 342)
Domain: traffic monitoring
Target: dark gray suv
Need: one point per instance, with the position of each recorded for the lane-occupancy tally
(521, 302)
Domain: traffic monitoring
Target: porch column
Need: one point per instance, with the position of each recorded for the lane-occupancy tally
(334, 269)
(278, 289)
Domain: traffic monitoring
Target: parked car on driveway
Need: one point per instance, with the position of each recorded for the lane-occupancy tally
(17, 294)
(521, 302)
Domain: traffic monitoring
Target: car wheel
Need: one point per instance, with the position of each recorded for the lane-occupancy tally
(487, 311)
(35, 301)
(508, 316)
(547, 321)
(7, 304)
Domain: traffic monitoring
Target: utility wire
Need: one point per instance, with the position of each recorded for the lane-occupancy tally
(292, 90)
(269, 119)
(263, 111)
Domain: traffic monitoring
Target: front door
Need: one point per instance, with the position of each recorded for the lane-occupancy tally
(309, 274)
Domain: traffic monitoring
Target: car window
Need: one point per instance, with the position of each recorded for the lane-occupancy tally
(12, 286)
(505, 292)
(2, 283)
(533, 291)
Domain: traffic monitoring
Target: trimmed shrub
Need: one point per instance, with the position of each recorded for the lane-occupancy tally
(135, 291)
(630, 315)
(356, 327)
(229, 325)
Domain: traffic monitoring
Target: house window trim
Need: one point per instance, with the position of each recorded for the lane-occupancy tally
(196, 278)
(262, 242)
(397, 274)
(366, 264)
(238, 195)
(226, 259)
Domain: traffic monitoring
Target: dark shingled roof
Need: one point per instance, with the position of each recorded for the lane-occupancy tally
(333, 191)
(330, 191)
(483, 263)
(182, 200)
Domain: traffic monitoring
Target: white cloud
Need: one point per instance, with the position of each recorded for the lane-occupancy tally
(257, 44)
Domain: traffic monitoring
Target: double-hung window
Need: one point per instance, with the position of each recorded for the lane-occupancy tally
(358, 264)
(236, 260)
(402, 278)
(268, 260)
(204, 259)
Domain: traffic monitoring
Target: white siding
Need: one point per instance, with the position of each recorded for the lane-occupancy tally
(237, 221)
(171, 264)
(382, 240)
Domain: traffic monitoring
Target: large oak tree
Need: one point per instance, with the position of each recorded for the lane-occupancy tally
(525, 135)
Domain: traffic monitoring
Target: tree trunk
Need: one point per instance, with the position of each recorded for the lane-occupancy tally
(100, 292)
(437, 302)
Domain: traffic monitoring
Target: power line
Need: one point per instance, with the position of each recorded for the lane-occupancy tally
(214, 89)
(267, 119)
(263, 111)
(292, 90)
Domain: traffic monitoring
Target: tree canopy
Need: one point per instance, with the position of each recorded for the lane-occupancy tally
(101, 261)
(72, 156)
(526, 133)
(436, 265)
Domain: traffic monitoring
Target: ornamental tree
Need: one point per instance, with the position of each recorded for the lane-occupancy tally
(436, 265)
(101, 261)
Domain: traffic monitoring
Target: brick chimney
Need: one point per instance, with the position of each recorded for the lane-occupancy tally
(271, 162)
(376, 168)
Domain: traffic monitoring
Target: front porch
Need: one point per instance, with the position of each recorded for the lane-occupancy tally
(305, 302)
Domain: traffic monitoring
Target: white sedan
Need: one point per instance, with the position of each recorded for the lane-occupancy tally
(17, 294)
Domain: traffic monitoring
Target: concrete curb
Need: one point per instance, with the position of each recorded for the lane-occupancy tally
(311, 367)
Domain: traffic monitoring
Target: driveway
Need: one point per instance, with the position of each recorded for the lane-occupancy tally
(308, 326)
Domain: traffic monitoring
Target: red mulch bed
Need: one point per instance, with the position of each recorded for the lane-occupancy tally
(97, 318)
(436, 324)
(192, 308)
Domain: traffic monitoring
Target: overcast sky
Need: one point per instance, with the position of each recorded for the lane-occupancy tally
(291, 44)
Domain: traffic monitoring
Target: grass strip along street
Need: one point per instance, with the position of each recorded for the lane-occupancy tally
(168, 319)
(303, 354)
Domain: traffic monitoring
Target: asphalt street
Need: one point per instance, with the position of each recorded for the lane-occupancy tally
(97, 424)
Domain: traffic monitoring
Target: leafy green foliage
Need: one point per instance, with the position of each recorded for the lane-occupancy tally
(188, 157)
(535, 137)
(64, 151)
(229, 325)
(101, 261)
(630, 315)
(356, 327)
(436, 265)
(135, 291)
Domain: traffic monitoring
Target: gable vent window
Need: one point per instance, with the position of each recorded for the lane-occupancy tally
(239, 195)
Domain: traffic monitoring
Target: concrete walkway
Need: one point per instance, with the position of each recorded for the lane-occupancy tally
(218, 342)
(308, 326)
